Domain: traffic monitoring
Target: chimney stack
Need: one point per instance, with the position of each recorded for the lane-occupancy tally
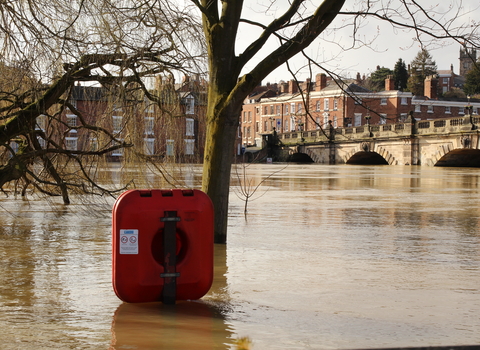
(389, 83)
(321, 82)
(430, 88)
(292, 86)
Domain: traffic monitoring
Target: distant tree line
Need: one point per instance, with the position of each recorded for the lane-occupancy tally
(412, 78)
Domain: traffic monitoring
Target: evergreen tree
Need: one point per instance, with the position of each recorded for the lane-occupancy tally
(421, 67)
(472, 81)
(377, 79)
(400, 75)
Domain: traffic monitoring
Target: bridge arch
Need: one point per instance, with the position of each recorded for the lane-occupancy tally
(367, 158)
(299, 157)
(459, 157)
(363, 155)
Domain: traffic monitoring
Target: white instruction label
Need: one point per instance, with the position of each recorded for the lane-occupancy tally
(128, 241)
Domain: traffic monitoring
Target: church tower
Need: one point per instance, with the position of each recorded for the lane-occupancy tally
(467, 58)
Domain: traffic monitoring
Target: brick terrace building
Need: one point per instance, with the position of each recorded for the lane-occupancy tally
(312, 106)
(172, 127)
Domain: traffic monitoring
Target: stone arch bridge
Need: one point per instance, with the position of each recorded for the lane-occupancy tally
(439, 142)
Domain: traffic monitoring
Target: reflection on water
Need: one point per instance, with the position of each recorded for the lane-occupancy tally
(327, 257)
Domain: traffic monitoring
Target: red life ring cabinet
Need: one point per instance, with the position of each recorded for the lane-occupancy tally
(162, 245)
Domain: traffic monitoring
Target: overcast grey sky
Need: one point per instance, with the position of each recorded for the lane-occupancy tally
(387, 47)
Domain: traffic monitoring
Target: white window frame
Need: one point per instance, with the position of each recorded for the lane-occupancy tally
(383, 119)
(117, 123)
(93, 144)
(326, 104)
(149, 146)
(383, 101)
(418, 108)
(189, 105)
(430, 109)
(149, 125)
(41, 122)
(325, 120)
(189, 127)
(71, 143)
(71, 120)
(461, 110)
(170, 150)
(357, 119)
(404, 101)
(448, 110)
(335, 104)
(189, 147)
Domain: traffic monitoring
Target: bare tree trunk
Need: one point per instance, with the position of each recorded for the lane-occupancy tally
(219, 153)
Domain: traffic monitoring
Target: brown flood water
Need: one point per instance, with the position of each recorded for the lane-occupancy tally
(328, 257)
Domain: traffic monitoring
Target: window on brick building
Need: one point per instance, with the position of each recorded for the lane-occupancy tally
(448, 109)
(461, 110)
(190, 105)
(190, 127)
(418, 108)
(71, 143)
(383, 119)
(383, 101)
(71, 120)
(149, 144)
(149, 123)
(189, 147)
(170, 147)
(429, 109)
(117, 124)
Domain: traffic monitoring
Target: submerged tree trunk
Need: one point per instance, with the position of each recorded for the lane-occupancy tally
(227, 89)
(221, 132)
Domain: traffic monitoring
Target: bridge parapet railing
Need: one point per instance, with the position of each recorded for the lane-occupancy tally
(446, 125)
(421, 127)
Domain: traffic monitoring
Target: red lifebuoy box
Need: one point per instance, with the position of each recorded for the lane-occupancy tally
(162, 245)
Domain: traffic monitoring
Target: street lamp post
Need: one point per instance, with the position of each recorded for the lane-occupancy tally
(367, 118)
(470, 113)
